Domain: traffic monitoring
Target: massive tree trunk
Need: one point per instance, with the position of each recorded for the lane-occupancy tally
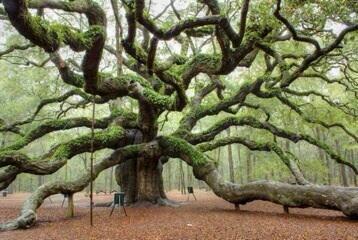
(141, 180)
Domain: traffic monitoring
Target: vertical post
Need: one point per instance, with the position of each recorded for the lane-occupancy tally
(285, 209)
(70, 207)
(91, 159)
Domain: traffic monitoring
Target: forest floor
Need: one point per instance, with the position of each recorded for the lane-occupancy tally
(207, 218)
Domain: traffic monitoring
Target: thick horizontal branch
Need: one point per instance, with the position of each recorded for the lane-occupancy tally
(111, 137)
(28, 215)
(56, 125)
(324, 197)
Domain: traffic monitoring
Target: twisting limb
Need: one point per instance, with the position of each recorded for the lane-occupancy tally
(190, 119)
(56, 125)
(58, 155)
(306, 63)
(243, 18)
(182, 26)
(28, 215)
(49, 37)
(7, 176)
(299, 196)
(294, 33)
(15, 47)
(42, 104)
(14, 163)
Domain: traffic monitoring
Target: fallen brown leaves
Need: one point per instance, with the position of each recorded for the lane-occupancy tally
(207, 218)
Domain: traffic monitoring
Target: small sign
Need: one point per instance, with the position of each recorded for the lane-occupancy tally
(191, 191)
(65, 195)
(118, 199)
(4, 193)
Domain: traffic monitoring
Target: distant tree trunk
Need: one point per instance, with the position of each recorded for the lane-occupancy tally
(84, 160)
(189, 175)
(111, 180)
(10, 189)
(31, 186)
(182, 178)
(19, 183)
(221, 168)
(248, 166)
(239, 163)
(169, 176)
(106, 181)
(66, 172)
(323, 156)
(329, 169)
(354, 176)
(230, 159)
(343, 173)
(253, 167)
(39, 180)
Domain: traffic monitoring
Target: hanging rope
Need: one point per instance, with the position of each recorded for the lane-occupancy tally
(92, 158)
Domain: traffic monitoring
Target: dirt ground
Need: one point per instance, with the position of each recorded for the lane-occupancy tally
(207, 218)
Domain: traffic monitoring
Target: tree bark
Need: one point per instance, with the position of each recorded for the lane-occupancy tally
(141, 180)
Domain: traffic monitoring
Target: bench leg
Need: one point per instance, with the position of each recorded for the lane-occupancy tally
(114, 205)
(285, 209)
(63, 201)
(124, 209)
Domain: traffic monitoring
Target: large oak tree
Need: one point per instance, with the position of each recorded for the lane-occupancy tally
(189, 58)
